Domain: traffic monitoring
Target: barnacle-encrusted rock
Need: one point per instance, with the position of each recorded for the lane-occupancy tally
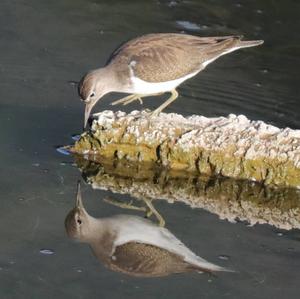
(230, 146)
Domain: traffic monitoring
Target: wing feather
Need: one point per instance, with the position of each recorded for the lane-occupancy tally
(165, 57)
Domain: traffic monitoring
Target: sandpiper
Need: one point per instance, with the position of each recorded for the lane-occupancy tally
(133, 245)
(154, 64)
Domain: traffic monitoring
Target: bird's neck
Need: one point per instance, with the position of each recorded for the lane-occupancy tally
(93, 231)
(108, 79)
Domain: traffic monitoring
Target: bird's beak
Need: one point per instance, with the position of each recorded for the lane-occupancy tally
(88, 108)
(79, 203)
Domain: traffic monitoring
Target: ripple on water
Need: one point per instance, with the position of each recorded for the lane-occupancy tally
(63, 150)
(187, 25)
(224, 257)
(172, 3)
(45, 251)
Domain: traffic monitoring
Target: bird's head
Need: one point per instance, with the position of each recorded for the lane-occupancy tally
(91, 88)
(78, 221)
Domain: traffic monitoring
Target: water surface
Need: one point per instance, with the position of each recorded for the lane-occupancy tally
(43, 46)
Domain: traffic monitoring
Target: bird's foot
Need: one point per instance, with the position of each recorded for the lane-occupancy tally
(149, 210)
(123, 100)
(129, 99)
(137, 98)
(133, 97)
(154, 113)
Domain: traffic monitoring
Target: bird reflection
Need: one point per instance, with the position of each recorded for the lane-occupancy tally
(133, 245)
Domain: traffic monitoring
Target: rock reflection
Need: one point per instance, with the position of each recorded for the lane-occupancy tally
(228, 198)
(134, 245)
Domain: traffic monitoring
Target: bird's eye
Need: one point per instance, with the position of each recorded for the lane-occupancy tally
(92, 94)
(79, 221)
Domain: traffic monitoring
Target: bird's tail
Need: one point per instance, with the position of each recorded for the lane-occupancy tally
(249, 43)
(201, 266)
(227, 44)
(234, 41)
(214, 268)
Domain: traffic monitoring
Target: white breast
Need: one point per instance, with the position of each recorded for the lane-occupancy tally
(140, 86)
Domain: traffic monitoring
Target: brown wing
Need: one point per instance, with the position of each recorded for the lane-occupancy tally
(164, 57)
(147, 260)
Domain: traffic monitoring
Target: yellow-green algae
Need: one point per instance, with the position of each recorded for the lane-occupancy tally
(229, 198)
(116, 141)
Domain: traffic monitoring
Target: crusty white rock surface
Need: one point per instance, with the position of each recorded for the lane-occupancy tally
(251, 139)
(230, 146)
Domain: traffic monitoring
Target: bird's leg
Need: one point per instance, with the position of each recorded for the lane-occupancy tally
(140, 96)
(124, 205)
(125, 99)
(173, 97)
(134, 97)
(130, 206)
(152, 210)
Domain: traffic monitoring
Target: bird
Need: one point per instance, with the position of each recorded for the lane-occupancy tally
(133, 245)
(154, 64)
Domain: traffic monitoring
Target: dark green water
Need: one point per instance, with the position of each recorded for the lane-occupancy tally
(45, 44)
